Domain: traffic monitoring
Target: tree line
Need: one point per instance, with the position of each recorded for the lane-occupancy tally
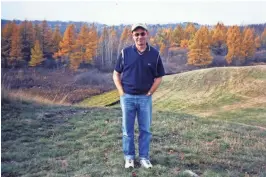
(32, 44)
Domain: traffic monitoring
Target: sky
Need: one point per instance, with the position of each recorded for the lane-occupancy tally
(115, 12)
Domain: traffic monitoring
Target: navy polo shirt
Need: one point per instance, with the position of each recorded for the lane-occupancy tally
(139, 70)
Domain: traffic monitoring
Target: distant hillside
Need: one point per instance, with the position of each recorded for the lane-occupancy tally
(63, 24)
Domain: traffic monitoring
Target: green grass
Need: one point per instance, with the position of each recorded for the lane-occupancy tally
(251, 116)
(70, 141)
(101, 100)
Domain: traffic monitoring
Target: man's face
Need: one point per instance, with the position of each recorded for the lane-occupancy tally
(140, 36)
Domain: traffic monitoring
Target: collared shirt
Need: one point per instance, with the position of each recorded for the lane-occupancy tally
(139, 69)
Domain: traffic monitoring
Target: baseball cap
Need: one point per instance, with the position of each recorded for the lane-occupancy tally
(142, 25)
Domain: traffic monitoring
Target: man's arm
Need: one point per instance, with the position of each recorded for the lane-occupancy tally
(154, 86)
(117, 81)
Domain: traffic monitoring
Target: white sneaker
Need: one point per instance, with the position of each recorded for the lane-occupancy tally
(145, 163)
(129, 163)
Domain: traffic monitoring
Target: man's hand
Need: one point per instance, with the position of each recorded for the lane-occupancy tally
(149, 94)
(117, 81)
(154, 86)
(121, 93)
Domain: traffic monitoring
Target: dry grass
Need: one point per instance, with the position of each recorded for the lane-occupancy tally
(53, 86)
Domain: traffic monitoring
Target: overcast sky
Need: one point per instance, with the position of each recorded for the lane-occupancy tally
(128, 12)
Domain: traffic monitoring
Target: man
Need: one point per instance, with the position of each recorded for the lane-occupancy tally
(142, 71)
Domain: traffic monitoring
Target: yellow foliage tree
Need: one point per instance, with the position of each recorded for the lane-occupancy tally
(234, 40)
(93, 44)
(85, 47)
(199, 52)
(56, 38)
(152, 41)
(190, 31)
(126, 37)
(16, 45)
(177, 36)
(184, 43)
(219, 39)
(67, 44)
(248, 43)
(163, 38)
(6, 35)
(219, 34)
(36, 54)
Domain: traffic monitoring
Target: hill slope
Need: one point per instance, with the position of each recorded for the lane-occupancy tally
(213, 92)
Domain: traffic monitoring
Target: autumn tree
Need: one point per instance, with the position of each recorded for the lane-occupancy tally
(27, 38)
(66, 45)
(56, 38)
(36, 54)
(152, 41)
(199, 49)
(37, 32)
(234, 40)
(46, 39)
(93, 43)
(125, 39)
(79, 49)
(190, 31)
(16, 46)
(184, 43)
(218, 43)
(6, 35)
(248, 43)
(263, 38)
(178, 35)
(162, 38)
(84, 48)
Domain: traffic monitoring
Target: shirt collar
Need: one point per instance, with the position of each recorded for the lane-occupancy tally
(148, 48)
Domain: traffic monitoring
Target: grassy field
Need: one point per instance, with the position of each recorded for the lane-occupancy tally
(219, 129)
(69, 141)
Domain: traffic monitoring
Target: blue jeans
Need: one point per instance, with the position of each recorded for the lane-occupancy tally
(140, 106)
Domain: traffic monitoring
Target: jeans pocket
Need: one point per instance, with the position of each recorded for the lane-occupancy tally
(123, 95)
